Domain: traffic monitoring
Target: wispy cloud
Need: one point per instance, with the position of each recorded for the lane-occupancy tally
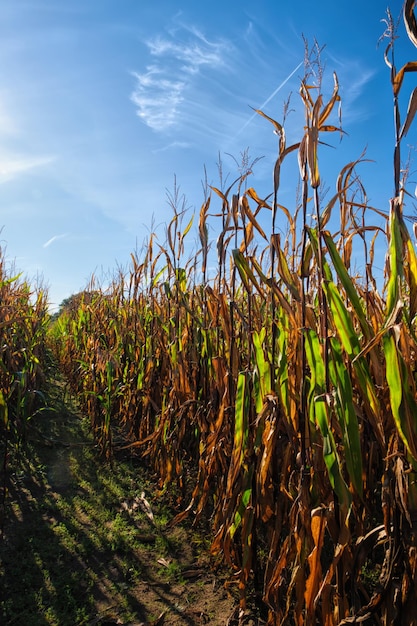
(193, 54)
(352, 97)
(10, 167)
(157, 98)
(53, 239)
(160, 90)
(174, 145)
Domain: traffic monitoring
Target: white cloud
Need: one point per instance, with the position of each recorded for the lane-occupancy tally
(194, 54)
(359, 83)
(10, 167)
(160, 90)
(157, 98)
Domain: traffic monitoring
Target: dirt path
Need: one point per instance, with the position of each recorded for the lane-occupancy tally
(84, 544)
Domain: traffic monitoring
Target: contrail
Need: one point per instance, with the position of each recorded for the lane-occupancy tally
(273, 94)
(52, 239)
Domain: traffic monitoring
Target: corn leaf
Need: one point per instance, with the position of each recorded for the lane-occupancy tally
(263, 369)
(187, 228)
(245, 272)
(403, 403)
(410, 21)
(321, 412)
(241, 429)
(411, 111)
(347, 418)
(395, 258)
(348, 285)
(349, 340)
(411, 66)
(245, 498)
(411, 275)
(284, 270)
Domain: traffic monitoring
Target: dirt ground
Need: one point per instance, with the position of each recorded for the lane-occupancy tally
(85, 544)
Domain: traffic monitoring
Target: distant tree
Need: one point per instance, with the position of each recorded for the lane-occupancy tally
(73, 301)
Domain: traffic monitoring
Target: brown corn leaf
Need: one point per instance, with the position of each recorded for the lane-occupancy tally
(330, 105)
(312, 156)
(386, 56)
(306, 96)
(411, 111)
(302, 158)
(318, 526)
(330, 128)
(247, 210)
(278, 128)
(248, 238)
(261, 203)
(399, 76)
(284, 270)
(219, 193)
(401, 487)
(410, 21)
(264, 473)
(278, 163)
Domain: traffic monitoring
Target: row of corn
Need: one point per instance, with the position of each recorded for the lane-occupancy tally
(24, 319)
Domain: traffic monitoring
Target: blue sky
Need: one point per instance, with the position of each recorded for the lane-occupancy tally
(102, 103)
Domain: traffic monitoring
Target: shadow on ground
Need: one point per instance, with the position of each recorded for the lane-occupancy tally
(87, 544)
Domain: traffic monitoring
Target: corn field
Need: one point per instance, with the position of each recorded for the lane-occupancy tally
(280, 394)
(23, 325)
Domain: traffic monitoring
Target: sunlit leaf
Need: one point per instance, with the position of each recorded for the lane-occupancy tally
(410, 21)
(411, 111)
(345, 410)
(322, 416)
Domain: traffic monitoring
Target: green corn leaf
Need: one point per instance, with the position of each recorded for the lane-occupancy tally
(342, 320)
(284, 270)
(316, 383)
(236, 479)
(321, 412)
(244, 501)
(263, 369)
(245, 272)
(167, 290)
(181, 278)
(188, 228)
(282, 371)
(343, 324)
(306, 260)
(9, 281)
(4, 413)
(412, 279)
(403, 403)
(241, 418)
(289, 312)
(313, 236)
(346, 414)
(348, 285)
(158, 275)
(395, 259)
